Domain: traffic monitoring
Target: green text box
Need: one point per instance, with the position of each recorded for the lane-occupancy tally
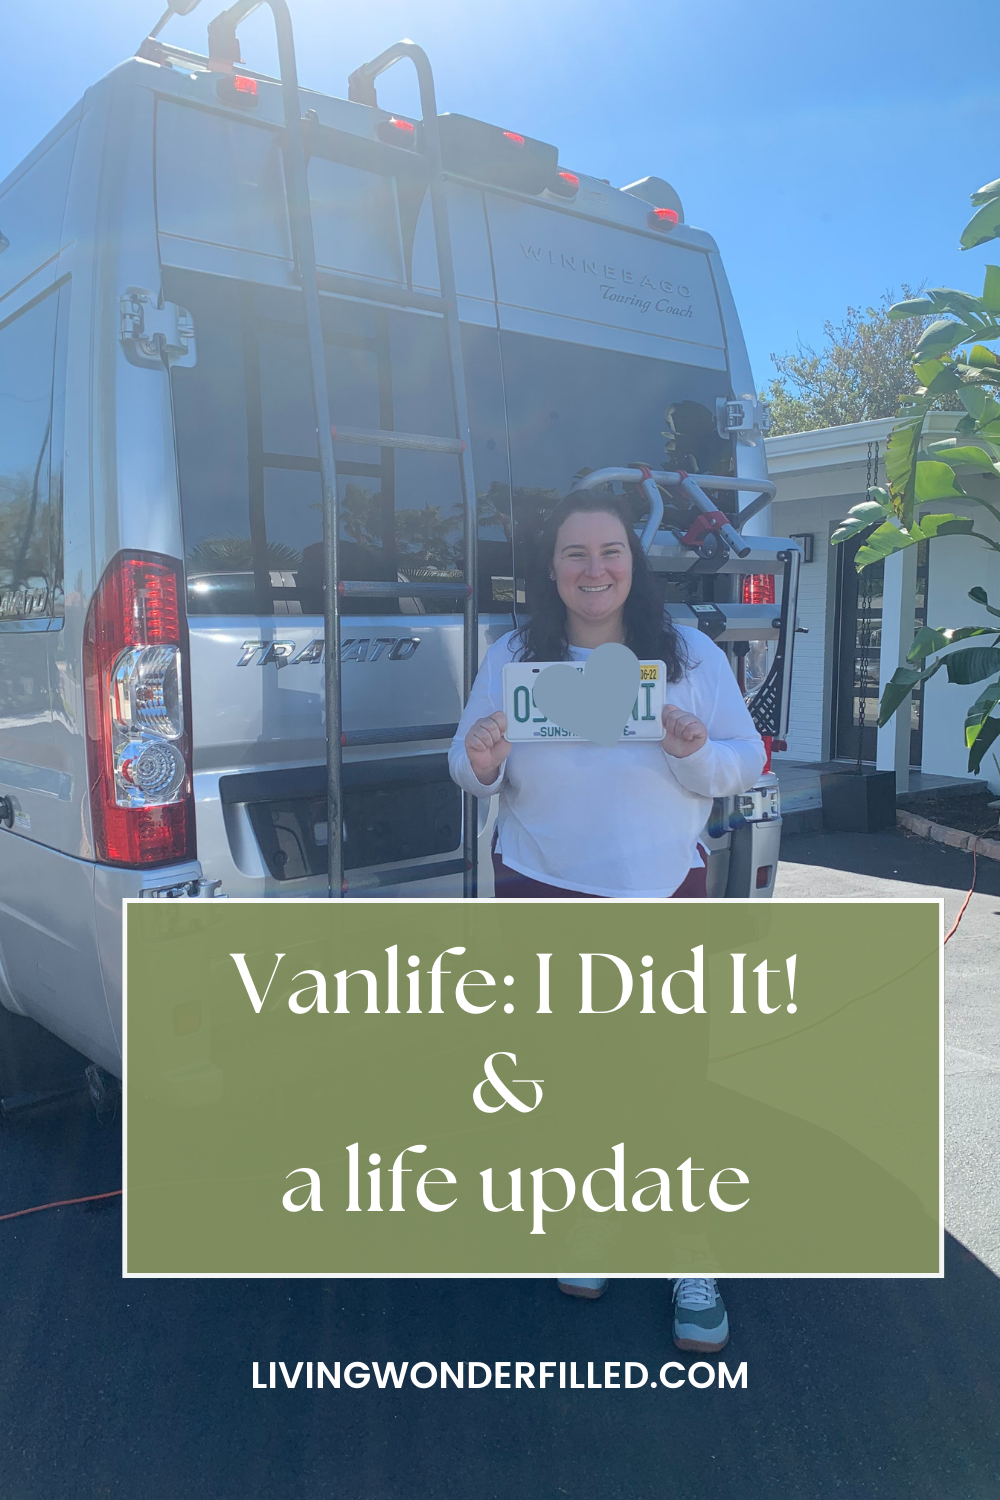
(823, 1091)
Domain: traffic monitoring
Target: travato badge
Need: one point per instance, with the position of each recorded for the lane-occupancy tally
(363, 648)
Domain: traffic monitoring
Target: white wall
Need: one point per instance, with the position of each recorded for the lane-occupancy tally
(956, 564)
(819, 477)
(812, 667)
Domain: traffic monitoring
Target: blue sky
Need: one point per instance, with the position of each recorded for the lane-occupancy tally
(830, 149)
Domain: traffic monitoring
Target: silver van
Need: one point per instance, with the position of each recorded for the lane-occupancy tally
(488, 326)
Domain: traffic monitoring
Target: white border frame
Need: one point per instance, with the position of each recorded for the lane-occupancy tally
(277, 902)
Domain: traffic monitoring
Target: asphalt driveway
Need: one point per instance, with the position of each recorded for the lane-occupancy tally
(113, 1390)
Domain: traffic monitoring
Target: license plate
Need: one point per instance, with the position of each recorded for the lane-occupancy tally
(526, 722)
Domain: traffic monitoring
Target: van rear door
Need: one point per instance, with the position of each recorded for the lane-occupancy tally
(250, 497)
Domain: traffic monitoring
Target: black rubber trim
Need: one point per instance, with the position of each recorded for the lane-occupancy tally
(403, 736)
(404, 876)
(310, 781)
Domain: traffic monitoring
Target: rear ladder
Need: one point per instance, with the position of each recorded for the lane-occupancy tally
(223, 53)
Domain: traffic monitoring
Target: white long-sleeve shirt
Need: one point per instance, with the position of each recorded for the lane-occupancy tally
(618, 821)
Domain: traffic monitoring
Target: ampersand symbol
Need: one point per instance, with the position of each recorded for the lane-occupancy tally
(506, 1097)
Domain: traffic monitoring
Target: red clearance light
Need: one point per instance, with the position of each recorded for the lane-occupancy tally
(758, 588)
(137, 689)
(398, 133)
(663, 218)
(236, 88)
(565, 184)
(502, 158)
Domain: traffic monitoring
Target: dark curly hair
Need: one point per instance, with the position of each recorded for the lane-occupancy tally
(648, 631)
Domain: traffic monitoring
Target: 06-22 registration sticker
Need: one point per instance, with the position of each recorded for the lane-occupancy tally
(525, 721)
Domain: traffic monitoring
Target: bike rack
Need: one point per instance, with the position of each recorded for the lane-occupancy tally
(770, 705)
(648, 481)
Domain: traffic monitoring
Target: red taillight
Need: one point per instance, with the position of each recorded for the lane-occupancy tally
(138, 731)
(763, 876)
(758, 588)
(663, 218)
(513, 137)
(244, 85)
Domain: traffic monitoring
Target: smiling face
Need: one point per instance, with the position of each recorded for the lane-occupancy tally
(592, 567)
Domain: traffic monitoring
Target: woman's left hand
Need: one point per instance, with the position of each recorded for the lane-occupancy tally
(683, 734)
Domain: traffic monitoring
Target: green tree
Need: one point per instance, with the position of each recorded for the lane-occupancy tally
(361, 515)
(493, 507)
(864, 371)
(429, 537)
(950, 362)
(234, 554)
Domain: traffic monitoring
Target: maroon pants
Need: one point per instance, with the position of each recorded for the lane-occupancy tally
(511, 884)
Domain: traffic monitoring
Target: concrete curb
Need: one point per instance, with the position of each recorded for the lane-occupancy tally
(802, 820)
(954, 837)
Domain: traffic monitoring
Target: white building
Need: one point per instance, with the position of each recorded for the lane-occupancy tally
(819, 476)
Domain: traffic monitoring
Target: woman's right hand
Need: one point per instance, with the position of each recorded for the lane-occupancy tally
(486, 747)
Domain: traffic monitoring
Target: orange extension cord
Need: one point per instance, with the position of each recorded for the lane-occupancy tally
(61, 1203)
(972, 887)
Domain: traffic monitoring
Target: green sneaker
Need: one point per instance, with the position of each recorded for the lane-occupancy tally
(700, 1321)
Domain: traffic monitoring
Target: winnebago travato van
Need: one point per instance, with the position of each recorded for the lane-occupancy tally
(172, 299)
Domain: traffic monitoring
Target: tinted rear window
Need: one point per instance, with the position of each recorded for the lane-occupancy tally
(541, 412)
(572, 409)
(249, 470)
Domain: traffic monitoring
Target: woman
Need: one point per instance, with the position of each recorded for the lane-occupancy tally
(586, 820)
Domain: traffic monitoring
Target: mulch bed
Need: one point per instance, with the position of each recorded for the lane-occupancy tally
(970, 814)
